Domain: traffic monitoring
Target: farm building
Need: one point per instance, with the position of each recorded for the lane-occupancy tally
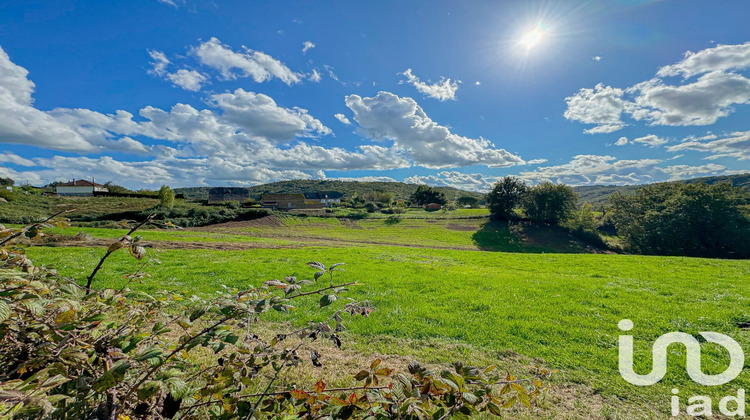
(80, 188)
(324, 197)
(285, 201)
(433, 206)
(223, 194)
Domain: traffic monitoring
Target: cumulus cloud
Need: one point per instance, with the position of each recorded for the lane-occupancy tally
(700, 103)
(622, 141)
(343, 119)
(187, 79)
(259, 115)
(736, 145)
(232, 65)
(651, 140)
(601, 105)
(718, 58)
(389, 117)
(608, 170)
(306, 46)
(713, 95)
(442, 90)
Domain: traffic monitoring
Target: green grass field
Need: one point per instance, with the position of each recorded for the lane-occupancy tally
(560, 308)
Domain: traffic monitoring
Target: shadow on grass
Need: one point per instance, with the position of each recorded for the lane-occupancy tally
(502, 236)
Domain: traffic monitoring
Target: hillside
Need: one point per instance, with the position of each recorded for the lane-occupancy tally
(348, 188)
(599, 194)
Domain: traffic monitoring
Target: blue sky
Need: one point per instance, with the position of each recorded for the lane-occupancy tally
(191, 93)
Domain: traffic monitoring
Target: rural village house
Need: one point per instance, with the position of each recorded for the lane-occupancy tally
(324, 197)
(80, 188)
(286, 202)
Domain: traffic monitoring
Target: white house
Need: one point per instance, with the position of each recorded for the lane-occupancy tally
(80, 188)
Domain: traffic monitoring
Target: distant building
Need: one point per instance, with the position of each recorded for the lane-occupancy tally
(283, 201)
(433, 206)
(324, 197)
(223, 194)
(80, 188)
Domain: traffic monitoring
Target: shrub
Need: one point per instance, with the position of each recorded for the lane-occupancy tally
(582, 224)
(7, 194)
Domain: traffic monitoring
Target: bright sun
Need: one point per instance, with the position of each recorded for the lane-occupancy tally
(532, 38)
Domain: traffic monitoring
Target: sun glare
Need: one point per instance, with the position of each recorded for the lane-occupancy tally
(532, 38)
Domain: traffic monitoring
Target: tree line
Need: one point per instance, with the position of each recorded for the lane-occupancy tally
(697, 220)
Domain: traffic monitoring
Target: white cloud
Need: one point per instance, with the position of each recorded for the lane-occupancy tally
(596, 58)
(21, 123)
(736, 145)
(608, 170)
(342, 118)
(389, 117)
(306, 46)
(259, 115)
(245, 139)
(468, 182)
(160, 62)
(172, 3)
(442, 90)
(622, 141)
(187, 79)
(601, 105)
(701, 102)
(15, 159)
(718, 58)
(332, 74)
(231, 64)
(314, 76)
(367, 179)
(651, 140)
(687, 171)
(535, 161)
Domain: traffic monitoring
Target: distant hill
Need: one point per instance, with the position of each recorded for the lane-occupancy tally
(599, 194)
(348, 188)
(594, 194)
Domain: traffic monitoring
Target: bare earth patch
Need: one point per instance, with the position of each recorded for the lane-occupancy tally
(462, 228)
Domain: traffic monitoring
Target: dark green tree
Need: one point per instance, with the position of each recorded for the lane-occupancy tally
(696, 220)
(549, 203)
(504, 196)
(467, 200)
(426, 195)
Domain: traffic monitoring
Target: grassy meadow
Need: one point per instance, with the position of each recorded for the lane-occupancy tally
(495, 293)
